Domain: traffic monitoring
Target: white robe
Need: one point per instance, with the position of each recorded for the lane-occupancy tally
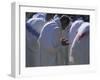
(49, 42)
(79, 51)
(61, 54)
(32, 54)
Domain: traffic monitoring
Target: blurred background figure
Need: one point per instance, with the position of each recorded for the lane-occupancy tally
(79, 50)
(33, 29)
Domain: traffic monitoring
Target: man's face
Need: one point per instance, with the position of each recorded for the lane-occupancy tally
(64, 25)
(64, 21)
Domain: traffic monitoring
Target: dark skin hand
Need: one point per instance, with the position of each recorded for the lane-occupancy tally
(64, 42)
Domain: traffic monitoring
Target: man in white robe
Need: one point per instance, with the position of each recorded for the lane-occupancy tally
(49, 41)
(60, 51)
(33, 29)
(79, 50)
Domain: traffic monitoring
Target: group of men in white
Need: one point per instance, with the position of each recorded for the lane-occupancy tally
(56, 40)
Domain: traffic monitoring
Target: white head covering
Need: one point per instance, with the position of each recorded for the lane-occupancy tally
(84, 28)
(39, 15)
(57, 20)
(74, 29)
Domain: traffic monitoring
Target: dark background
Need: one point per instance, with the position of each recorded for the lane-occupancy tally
(72, 16)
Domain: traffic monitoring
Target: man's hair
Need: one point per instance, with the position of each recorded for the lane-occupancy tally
(65, 21)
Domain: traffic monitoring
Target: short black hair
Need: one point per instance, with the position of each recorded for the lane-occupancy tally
(65, 21)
